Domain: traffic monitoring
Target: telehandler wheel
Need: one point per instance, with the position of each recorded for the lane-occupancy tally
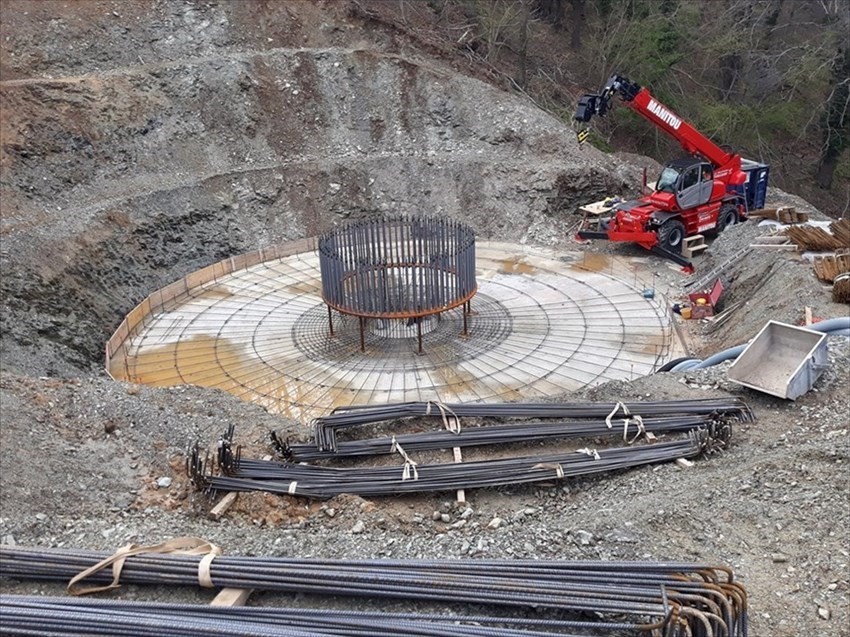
(728, 216)
(670, 236)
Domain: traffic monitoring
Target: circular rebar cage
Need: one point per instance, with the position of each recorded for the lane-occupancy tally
(398, 268)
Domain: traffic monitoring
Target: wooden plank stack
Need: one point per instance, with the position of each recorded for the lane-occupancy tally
(787, 215)
(841, 288)
(830, 266)
(818, 239)
(841, 230)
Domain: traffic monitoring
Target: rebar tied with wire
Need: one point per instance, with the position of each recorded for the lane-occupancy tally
(671, 599)
(629, 429)
(72, 616)
(325, 427)
(698, 427)
(243, 474)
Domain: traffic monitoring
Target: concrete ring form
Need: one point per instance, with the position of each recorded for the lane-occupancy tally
(543, 324)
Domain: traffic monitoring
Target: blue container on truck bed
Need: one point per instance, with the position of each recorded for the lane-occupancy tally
(755, 188)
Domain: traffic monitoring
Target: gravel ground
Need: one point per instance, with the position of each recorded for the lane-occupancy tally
(121, 173)
(773, 506)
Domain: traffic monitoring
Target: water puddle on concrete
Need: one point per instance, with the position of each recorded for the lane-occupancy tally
(216, 292)
(306, 287)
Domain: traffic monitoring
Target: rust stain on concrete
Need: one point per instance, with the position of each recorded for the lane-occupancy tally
(592, 262)
(199, 360)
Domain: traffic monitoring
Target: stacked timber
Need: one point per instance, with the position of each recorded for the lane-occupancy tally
(779, 240)
(841, 230)
(830, 266)
(818, 239)
(787, 215)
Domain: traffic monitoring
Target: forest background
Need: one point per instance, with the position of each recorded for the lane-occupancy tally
(767, 78)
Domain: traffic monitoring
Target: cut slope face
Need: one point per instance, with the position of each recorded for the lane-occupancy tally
(86, 143)
(115, 183)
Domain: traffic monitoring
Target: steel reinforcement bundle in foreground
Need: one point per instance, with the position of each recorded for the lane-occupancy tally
(325, 428)
(673, 599)
(241, 474)
(701, 426)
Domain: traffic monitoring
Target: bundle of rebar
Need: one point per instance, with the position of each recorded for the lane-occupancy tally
(60, 616)
(672, 598)
(325, 428)
(489, 434)
(241, 474)
(701, 426)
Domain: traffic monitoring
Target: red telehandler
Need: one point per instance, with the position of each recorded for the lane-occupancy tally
(704, 192)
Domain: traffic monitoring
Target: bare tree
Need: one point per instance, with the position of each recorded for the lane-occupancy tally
(551, 11)
(578, 19)
(836, 121)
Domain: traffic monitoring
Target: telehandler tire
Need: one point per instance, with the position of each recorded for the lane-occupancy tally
(728, 216)
(670, 236)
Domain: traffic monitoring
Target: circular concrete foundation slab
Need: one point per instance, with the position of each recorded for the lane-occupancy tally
(543, 323)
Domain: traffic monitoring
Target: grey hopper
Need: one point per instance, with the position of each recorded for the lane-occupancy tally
(783, 360)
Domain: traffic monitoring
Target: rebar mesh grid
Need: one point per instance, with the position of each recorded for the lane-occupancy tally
(543, 323)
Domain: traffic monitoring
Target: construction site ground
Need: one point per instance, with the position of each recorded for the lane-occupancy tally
(144, 140)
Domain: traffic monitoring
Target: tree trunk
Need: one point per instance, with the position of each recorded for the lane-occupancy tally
(836, 121)
(578, 19)
(826, 169)
(551, 11)
(522, 75)
(730, 70)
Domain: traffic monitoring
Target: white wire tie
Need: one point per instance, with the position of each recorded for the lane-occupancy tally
(176, 546)
(401, 451)
(406, 473)
(590, 452)
(613, 413)
(559, 470)
(204, 576)
(451, 424)
(292, 486)
(640, 429)
(409, 464)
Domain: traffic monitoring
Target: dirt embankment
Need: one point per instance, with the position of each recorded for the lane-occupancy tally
(123, 178)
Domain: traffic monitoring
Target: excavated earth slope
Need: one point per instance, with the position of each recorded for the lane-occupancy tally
(143, 140)
(120, 180)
